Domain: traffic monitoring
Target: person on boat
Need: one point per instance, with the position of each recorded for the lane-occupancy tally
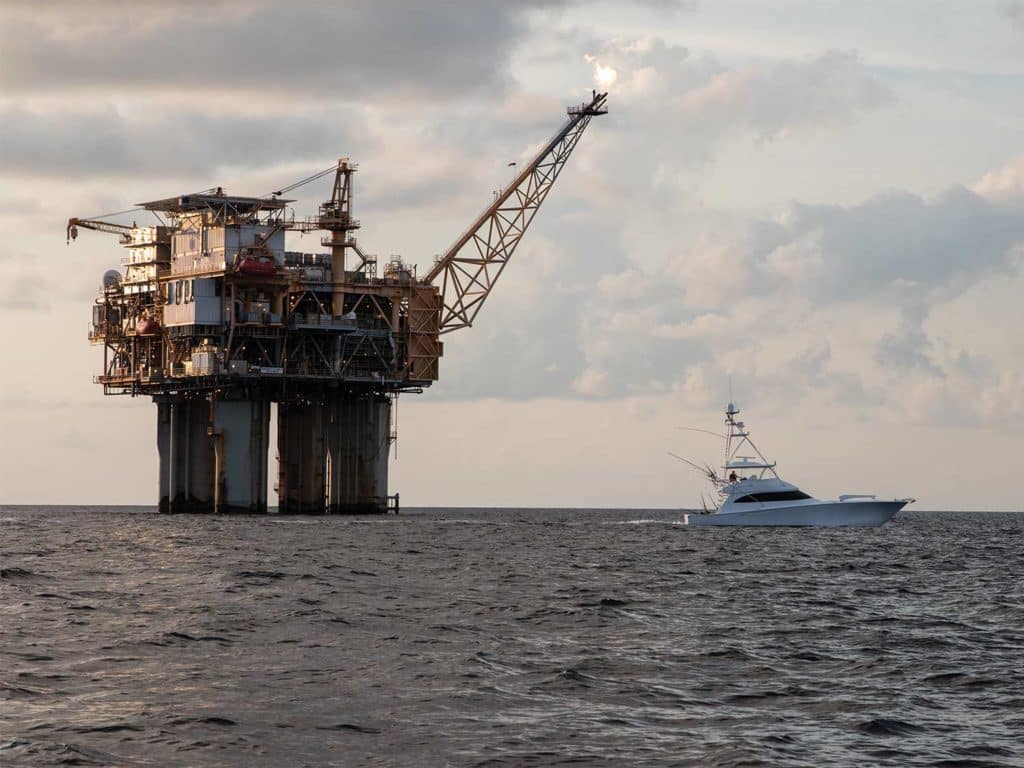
(732, 476)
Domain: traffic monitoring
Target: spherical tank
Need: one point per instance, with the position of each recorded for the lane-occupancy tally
(111, 279)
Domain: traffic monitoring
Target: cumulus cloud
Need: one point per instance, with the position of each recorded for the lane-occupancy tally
(836, 300)
(674, 111)
(705, 101)
(831, 87)
(1004, 184)
(900, 246)
(908, 347)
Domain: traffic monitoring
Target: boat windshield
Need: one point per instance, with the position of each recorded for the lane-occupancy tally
(772, 496)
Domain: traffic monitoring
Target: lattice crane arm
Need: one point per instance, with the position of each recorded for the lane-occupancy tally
(471, 267)
(122, 230)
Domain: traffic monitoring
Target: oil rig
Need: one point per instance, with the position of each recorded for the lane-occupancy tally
(215, 320)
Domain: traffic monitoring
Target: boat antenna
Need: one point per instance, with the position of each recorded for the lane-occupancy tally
(705, 431)
(705, 470)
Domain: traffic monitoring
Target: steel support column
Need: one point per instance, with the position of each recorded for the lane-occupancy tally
(301, 458)
(240, 433)
(186, 455)
(358, 447)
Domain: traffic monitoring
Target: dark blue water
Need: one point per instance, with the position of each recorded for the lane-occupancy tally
(508, 638)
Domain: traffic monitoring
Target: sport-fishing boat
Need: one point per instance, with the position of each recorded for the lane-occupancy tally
(750, 492)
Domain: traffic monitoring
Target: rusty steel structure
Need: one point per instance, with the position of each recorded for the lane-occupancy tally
(215, 320)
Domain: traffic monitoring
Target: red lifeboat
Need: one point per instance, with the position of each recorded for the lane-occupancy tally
(147, 327)
(256, 268)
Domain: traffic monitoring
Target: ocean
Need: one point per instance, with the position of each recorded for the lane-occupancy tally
(507, 637)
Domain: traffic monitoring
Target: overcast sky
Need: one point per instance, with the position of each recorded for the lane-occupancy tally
(820, 200)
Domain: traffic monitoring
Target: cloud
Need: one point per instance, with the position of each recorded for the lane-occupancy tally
(641, 283)
(19, 205)
(899, 246)
(703, 101)
(831, 87)
(832, 300)
(591, 383)
(1004, 184)
(660, 295)
(163, 141)
(626, 285)
(388, 48)
(24, 291)
(604, 77)
(674, 112)
(1014, 11)
(907, 348)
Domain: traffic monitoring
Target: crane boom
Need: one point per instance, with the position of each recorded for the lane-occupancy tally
(122, 230)
(475, 261)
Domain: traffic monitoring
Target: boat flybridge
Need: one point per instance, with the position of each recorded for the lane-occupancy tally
(751, 493)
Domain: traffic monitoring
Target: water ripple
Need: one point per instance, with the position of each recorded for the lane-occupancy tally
(507, 638)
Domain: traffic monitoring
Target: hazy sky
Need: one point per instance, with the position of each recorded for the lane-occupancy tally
(822, 200)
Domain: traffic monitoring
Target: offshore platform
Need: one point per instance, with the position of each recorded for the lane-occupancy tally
(215, 320)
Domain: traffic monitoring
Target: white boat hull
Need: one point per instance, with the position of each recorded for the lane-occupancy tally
(829, 514)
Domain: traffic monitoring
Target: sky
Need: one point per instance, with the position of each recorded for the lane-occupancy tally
(816, 203)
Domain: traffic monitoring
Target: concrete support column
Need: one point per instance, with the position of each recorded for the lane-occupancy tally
(301, 458)
(358, 448)
(240, 435)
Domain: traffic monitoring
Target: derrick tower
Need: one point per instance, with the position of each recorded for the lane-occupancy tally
(216, 321)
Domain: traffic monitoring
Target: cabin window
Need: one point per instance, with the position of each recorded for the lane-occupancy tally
(773, 496)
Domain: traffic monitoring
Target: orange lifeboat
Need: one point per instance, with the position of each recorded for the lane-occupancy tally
(256, 268)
